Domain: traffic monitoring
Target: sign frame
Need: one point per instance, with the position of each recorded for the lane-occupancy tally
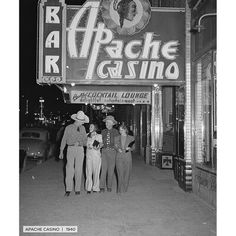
(110, 95)
(66, 79)
(42, 77)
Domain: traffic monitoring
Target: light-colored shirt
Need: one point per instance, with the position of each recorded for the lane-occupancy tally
(123, 140)
(97, 137)
(74, 137)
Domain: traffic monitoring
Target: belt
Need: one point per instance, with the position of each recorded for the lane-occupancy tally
(111, 148)
(74, 145)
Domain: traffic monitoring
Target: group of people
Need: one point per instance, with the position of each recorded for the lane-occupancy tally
(112, 148)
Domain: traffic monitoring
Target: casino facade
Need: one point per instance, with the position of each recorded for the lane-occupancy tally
(153, 64)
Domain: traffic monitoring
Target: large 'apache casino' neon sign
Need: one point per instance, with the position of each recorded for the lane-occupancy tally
(99, 42)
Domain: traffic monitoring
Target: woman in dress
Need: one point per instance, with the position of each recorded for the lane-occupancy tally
(124, 144)
(93, 159)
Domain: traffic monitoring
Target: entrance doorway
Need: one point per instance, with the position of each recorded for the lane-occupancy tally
(136, 117)
(158, 132)
(173, 120)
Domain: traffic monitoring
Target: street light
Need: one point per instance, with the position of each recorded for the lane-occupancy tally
(26, 107)
(41, 100)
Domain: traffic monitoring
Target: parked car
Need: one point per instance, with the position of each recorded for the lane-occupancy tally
(36, 142)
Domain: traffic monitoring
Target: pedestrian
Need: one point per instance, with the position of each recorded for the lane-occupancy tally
(60, 132)
(124, 144)
(108, 153)
(75, 138)
(93, 159)
(59, 136)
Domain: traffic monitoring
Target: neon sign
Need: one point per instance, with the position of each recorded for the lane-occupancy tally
(51, 54)
(108, 41)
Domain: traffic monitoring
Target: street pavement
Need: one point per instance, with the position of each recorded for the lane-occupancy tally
(153, 206)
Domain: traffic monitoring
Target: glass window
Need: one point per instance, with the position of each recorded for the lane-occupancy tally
(205, 112)
(169, 142)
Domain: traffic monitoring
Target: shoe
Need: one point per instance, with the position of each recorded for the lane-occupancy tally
(88, 192)
(67, 194)
(109, 190)
(77, 193)
(102, 190)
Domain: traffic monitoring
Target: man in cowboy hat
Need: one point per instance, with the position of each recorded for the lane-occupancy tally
(108, 153)
(75, 137)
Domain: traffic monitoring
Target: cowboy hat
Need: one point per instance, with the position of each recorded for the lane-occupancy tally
(80, 116)
(111, 118)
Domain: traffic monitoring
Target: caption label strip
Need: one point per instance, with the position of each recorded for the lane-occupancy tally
(50, 229)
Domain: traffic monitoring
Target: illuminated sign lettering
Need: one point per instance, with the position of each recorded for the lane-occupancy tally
(110, 97)
(139, 50)
(51, 61)
(106, 41)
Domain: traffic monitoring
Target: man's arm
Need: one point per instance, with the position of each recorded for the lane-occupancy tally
(84, 136)
(116, 144)
(103, 135)
(116, 132)
(100, 140)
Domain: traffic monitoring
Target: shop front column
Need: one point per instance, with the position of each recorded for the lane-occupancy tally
(137, 128)
(185, 165)
(148, 147)
(142, 134)
(156, 123)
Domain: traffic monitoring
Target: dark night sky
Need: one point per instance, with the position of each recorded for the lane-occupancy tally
(28, 45)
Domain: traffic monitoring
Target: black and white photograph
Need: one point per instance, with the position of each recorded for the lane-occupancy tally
(117, 104)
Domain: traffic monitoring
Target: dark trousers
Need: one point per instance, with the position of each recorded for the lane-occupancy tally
(123, 167)
(108, 166)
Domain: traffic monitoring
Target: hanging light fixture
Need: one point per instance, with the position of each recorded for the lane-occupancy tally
(104, 108)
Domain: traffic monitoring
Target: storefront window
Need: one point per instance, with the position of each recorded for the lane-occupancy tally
(180, 114)
(168, 118)
(205, 112)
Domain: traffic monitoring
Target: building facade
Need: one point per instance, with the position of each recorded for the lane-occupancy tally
(153, 63)
(204, 109)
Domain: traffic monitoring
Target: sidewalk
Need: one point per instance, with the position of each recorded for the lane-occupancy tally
(154, 205)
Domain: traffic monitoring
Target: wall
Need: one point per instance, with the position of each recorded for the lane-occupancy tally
(204, 185)
(205, 39)
(203, 42)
